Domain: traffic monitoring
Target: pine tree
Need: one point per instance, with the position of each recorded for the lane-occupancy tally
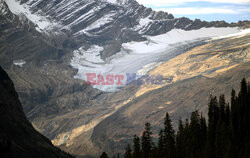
(186, 138)
(234, 115)
(222, 108)
(195, 144)
(160, 144)
(243, 117)
(213, 111)
(137, 148)
(154, 151)
(128, 152)
(146, 141)
(104, 155)
(203, 135)
(180, 145)
(169, 138)
(220, 139)
(227, 115)
(221, 130)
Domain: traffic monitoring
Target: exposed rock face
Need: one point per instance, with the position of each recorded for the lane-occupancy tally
(36, 53)
(214, 68)
(99, 22)
(17, 136)
(192, 76)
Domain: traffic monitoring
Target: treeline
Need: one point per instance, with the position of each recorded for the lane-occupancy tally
(226, 134)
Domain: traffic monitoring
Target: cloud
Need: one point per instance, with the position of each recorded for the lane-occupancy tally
(195, 10)
(159, 3)
(195, 7)
(209, 10)
(244, 10)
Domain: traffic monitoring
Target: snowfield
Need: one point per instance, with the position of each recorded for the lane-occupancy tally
(141, 57)
(134, 57)
(43, 23)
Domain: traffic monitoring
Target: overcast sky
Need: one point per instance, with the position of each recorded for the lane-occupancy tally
(209, 10)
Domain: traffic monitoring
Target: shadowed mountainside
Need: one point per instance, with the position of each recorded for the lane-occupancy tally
(17, 136)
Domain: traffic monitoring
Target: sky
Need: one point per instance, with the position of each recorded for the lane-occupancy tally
(209, 10)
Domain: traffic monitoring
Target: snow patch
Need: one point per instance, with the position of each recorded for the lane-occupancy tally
(115, 1)
(102, 21)
(162, 42)
(42, 22)
(238, 34)
(19, 62)
(141, 57)
(87, 61)
(144, 22)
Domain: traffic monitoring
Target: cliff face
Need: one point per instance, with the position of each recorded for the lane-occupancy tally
(17, 136)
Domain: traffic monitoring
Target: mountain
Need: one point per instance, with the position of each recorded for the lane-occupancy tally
(47, 47)
(104, 23)
(17, 136)
(212, 68)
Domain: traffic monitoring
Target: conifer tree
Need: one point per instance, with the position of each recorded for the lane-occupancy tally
(213, 111)
(154, 151)
(104, 155)
(227, 134)
(128, 152)
(195, 134)
(146, 141)
(227, 115)
(180, 145)
(137, 148)
(242, 118)
(160, 144)
(203, 135)
(169, 138)
(222, 108)
(186, 138)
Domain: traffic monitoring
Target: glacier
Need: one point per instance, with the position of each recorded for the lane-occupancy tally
(141, 57)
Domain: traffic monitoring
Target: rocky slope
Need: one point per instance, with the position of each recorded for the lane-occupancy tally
(39, 41)
(101, 22)
(189, 79)
(17, 136)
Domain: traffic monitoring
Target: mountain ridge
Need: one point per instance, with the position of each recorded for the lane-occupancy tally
(79, 21)
(18, 137)
(63, 107)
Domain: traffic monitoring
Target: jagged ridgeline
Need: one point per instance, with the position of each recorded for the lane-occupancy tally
(225, 134)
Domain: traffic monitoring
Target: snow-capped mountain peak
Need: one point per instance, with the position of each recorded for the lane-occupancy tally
(112, 30)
